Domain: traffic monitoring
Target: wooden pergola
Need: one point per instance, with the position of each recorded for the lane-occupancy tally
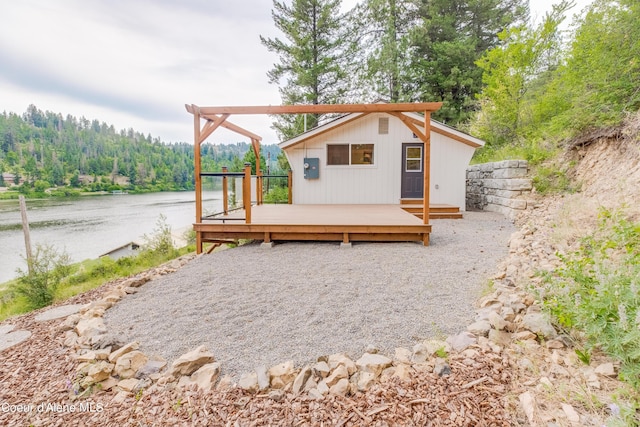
(216, 117)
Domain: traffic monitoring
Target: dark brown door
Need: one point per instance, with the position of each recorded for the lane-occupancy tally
(412, 171)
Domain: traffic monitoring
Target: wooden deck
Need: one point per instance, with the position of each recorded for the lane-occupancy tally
(343, 223)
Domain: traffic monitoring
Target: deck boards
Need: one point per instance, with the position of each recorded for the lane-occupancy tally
(319, 222)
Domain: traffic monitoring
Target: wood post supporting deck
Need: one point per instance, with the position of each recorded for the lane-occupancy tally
(246, 192)
(225, 191)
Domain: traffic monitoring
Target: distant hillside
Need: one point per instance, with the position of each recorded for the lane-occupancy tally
(44, 150)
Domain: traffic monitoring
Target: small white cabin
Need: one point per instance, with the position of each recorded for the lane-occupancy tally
(375, 159)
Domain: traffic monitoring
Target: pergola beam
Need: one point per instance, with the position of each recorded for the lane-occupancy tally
(322, 108)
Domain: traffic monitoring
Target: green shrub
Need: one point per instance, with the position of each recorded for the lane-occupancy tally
(277, 195)
(597, 292)
(45, 271)
(161, 240)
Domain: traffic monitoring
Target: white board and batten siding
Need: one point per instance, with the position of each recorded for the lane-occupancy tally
(379, 183)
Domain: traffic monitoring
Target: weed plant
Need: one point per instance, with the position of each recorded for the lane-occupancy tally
(597, 292)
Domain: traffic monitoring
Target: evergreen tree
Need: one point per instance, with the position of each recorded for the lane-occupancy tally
(451, 36)
(383, 45)
(311, 58)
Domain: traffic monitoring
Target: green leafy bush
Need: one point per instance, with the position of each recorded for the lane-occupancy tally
(45, 272)
(161, 240)
(597, 292)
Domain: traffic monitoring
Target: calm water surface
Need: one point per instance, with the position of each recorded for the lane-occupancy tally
(88, 226)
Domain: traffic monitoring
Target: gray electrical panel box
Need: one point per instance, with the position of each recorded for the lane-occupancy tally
(311, 168)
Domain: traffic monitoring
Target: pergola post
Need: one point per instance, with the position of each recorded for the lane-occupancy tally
(197, 140)
(427, 167)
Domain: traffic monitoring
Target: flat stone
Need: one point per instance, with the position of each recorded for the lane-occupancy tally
(129, 384)
(277, 395)
(91, 327)
(538, 324)
(403, 371)
(263, 377)
(480, 328)
(128, 365)
(528, 403)
(606, 369)
(100, 371)
(321, 369)
(341, 387)
(571, 413)
(336, 375)
(499, 337)
(441, 368)
(113, 357)
(5, 329)
(301, 379)
(402, 355)
(249, 382)
(282, 374)
(150, 368)
(13, 338)
(190, 362)
(342, 359)
(206, 376)
(461, 341)
(373, 363)
(365, 380)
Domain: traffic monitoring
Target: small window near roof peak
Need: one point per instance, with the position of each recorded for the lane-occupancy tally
(383, 125)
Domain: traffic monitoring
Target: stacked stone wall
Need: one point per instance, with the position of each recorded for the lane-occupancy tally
(499, 187)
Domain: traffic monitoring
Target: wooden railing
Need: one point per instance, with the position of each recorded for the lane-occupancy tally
(246, 191)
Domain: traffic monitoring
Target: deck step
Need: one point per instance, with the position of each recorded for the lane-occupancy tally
(435, 211)
(443, 215)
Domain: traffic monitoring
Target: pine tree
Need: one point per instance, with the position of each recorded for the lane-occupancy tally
(383, 27)
(311, 58)
(450, 37)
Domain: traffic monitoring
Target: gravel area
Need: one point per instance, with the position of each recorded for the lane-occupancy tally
(255, 306)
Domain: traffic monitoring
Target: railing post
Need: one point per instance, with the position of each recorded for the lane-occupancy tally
(225, 191)
(290, 186)
(246, 192)
(259, 188)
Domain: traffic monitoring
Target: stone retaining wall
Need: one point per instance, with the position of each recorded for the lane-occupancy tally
(499, 187)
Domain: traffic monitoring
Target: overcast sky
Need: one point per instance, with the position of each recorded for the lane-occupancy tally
(135, 63)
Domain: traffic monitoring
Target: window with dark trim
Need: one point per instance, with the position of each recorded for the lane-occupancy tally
(338, 154)
(350, 154)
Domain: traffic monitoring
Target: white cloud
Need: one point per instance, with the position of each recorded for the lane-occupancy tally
(136, 64)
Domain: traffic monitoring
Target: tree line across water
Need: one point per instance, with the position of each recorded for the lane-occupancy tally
(45, 153)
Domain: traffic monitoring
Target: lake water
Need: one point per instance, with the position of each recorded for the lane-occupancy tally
(89, 226)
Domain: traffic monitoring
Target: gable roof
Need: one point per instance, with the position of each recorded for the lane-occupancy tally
(436, 127)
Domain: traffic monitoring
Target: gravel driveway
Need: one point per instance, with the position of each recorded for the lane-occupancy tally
(255, 306)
